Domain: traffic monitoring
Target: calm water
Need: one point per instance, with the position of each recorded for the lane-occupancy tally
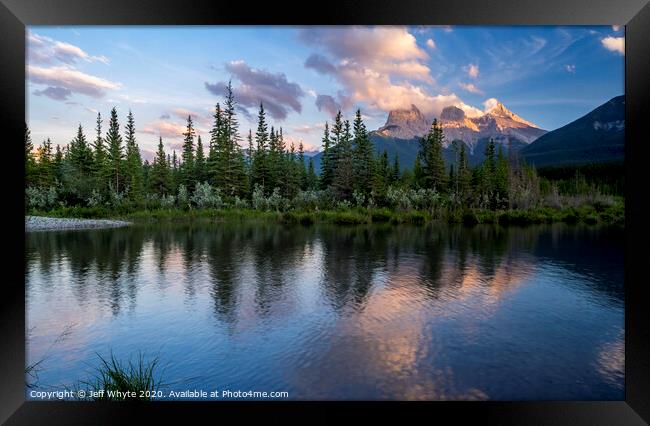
(327, 312)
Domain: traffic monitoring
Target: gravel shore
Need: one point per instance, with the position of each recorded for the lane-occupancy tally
(39, 223)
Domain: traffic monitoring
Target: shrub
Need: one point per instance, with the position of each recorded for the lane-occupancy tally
(41, 198)
(183, 197)
(206, 197)
(167, 201)
(306, 200)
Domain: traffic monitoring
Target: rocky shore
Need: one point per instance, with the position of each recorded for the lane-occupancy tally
(40, 223)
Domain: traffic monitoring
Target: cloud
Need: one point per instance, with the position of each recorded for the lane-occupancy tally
(327, 103)
(71, 79)
(616, 27)
(570, 68)
(274, 90)
(320, 64)
(469, 87)
(165, 116)
(164, 128)
(471, 70)
(56, 93)
(431, 44)
(615, 44)
(382, 67)
(46, 50)
(184, 113)
(309, 128)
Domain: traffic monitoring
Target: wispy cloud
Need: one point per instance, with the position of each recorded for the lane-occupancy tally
(431, 44)
(46, 50)
(63, 77)
(56, 93)
(164, 128)
(471, 88)
(570, 68)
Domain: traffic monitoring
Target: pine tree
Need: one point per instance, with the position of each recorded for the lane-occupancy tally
(200, 174)
(235, 163)
(327, 164)
(57, 164)
(417, 172)
(344, 172)
(395, 176)
(312, 178)
(81, 155)
(101, 172)
(302, 172)
(115, 155)
(260, 171)
(363, 156)
(44, 170)
(381, 177)
(175, 172)
(133, 165)
(186, 172)
(30, 160)
(464, 175)
(160, 173)
(433, 163)
(215, 137)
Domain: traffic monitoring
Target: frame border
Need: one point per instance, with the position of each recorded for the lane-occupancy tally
(16, 14)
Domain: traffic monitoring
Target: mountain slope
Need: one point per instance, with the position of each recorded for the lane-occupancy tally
(597, 137)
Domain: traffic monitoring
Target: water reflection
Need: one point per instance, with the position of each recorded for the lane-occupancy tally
(342, 312)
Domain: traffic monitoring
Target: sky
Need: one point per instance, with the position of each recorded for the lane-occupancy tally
(548, 75)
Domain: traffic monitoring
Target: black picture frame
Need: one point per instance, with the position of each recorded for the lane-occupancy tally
(634, 14)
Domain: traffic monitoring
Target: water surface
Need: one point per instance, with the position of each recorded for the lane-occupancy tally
(333, 312)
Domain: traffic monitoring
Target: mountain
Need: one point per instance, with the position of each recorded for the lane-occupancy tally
(499, 123)
(405, 124)
(597, 137)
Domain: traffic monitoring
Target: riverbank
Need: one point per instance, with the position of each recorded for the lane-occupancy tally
(591, 215)
(43, 223)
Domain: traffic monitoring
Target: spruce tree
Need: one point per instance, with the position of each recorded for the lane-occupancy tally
(433, 163)
(363, 156)
(312, 178)
(302, 172)
(327, 164)
(396, 174)
(44, 170)
(101, 172)
(133, 165)
(115, 154)
(215, 137)
(160, 174)
(260, 171)
(344, 172)
(464, 175)
(187, 156)
(30, 161)
(200, 174)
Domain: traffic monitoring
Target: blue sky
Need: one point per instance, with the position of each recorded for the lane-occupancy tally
(547, 75)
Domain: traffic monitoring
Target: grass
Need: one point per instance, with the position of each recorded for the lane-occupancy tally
(584, 211)
(114, 376)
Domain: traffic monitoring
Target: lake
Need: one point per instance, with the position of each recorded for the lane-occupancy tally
(329, 312)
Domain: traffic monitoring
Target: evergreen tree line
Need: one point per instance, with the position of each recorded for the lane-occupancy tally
(109, 169)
